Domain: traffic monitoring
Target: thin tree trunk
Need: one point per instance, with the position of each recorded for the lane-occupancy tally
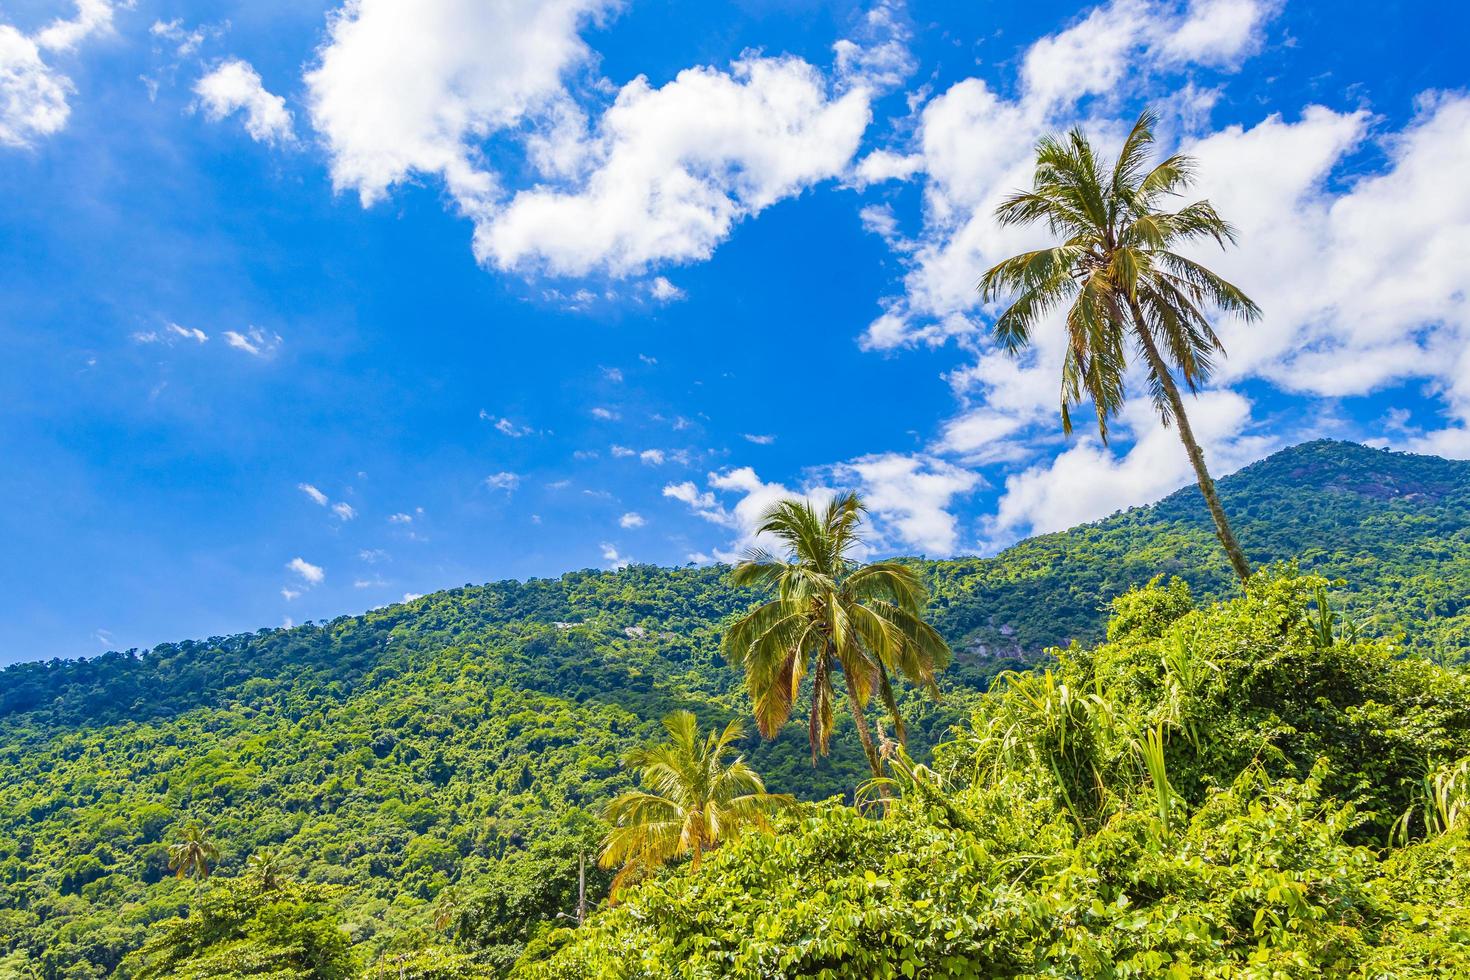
(861, 721)
(820, 683)
(1192, 448)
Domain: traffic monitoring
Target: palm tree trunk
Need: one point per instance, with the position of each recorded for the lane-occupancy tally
(861, 721)
(1191, 447)
(815, 733)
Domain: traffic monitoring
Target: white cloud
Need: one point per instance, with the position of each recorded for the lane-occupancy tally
(670, 170)
(403, 89)
(503, 481)
(1377, 292)
(369, 583)
(33, 94)
(615, 375)
(1088, 481)
(316, 495)
(631, 519)
(606, 414)
(310, 574)
(171, 333)
(506, 427)
(664, 291)
(877, 57)
(344, 511)
(372, 555)
(759, 440)
(185, 41)
(756, 497)
(235, 86)
(910, 497)
(653, 457)
(613, 558)
(411, 596)
(254, 341)
(188, 333)
(400, 518)
(702, 502)
(288, 595)
(884, 165)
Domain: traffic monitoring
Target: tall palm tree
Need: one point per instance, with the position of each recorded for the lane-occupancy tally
(1117, 272)
(830, 614)
(193, 854)
(691, 800)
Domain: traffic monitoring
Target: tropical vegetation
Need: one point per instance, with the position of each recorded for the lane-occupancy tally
(830, 615)
(422, 779)
(689, 801)
(1216, 791)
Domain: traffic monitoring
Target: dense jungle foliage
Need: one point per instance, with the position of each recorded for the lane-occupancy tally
(1246, 790)
(427, 774)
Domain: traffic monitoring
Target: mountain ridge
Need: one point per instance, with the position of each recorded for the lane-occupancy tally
(1184, 545)
(472, 734)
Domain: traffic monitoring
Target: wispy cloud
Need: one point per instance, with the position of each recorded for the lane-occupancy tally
(504, 480)
(254, 341)
(316, 495)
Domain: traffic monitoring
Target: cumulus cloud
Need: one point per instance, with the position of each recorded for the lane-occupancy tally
(655, 174)
(310, 574)
(670, 170)
(1089, 481)
(33, 94)
(404, 89)
(234, 86)
(1377, 291)
(631, 520)
(344, 511)
(911, 496)
(664, 291)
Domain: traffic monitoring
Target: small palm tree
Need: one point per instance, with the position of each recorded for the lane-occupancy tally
(830, 614)
(193, 854)
(266, 868)
(447, 908)
(691, 800)
(1119, 276)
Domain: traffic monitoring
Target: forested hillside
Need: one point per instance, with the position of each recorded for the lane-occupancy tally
(453, 753)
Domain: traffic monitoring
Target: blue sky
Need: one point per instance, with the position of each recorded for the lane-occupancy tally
(309, 306)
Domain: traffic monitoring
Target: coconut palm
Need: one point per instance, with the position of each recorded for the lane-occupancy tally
(830, 615)
(266, 868)
(1117, 272)
(193, 854)
(691, 800)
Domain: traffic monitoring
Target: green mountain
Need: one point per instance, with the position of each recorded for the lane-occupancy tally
(467, 739)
